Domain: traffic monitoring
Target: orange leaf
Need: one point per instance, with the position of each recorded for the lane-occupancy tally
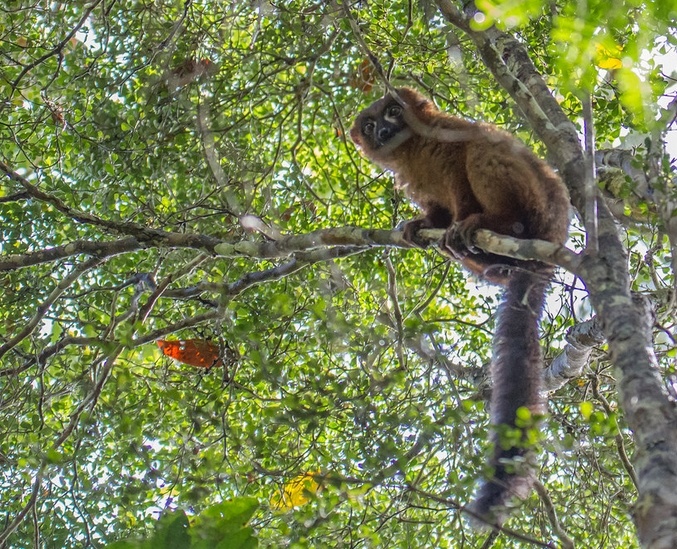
(364, 77)
(194, 352)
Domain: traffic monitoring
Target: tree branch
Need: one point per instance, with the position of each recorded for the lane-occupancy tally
(143, 234)
(32, 500)
(56, 50)
(567, 542)
(45, 305)
(12, 262)
(649, 412)
(581, 341)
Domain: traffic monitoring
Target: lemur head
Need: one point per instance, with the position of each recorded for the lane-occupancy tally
(381, 128)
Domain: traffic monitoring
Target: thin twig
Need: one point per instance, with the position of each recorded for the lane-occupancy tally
(30, 504)
(620, 443)
(567, 542)
(45, 305)
(57, 49)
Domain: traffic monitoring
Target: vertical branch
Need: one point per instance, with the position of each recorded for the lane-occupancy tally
(357, 34)
(397, 312)
(592, 234)
(212, 160)
(664, 188)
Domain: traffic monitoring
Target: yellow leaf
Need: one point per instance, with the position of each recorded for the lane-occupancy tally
(586, 409)
(608, 59)
(298, 491)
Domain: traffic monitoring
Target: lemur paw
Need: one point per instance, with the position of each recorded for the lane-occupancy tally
(410, 231)
(458, 241)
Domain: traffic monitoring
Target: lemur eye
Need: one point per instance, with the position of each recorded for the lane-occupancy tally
(394, 111)
(368, 127)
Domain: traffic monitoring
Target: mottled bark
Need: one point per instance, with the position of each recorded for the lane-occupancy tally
(569, 364)
(648, 410)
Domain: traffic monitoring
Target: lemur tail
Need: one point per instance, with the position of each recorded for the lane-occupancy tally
(517, 379)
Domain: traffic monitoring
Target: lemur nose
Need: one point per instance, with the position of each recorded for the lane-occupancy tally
(384, 134)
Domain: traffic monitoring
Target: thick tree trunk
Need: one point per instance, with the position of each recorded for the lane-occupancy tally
(648, 410)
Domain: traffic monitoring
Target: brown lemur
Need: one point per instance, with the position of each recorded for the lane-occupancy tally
(465, 176)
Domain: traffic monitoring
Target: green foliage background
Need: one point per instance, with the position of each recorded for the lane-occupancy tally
(369, 369)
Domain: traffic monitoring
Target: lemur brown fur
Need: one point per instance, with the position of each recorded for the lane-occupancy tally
(466, 176)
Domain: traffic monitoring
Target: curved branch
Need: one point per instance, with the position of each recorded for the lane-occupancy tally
(567, 542)
(45, 305)
(145, 235)
(581, 341)
(231, 289)
(52, 350)
(14, 524)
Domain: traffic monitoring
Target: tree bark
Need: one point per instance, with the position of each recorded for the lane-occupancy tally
(648, 410)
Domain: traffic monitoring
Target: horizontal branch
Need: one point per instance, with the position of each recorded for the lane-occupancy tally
(536, 250)
(12, 262)
(336, 236)
(288, 245)
(229, 290)
(51, 350)
(528, 250)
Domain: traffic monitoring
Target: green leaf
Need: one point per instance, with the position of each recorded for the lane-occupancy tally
(586, 409)
(172, 532)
